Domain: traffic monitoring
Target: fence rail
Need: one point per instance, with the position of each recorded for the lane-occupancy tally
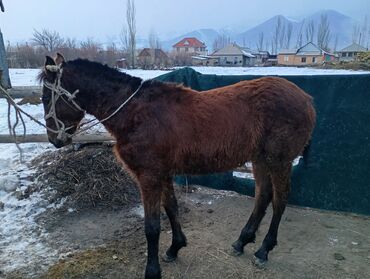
(24, 91)
(31, 138)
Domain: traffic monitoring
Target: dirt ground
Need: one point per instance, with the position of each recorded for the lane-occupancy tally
(111, 244)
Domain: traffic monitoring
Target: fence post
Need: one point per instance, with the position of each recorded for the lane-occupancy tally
(4, 71)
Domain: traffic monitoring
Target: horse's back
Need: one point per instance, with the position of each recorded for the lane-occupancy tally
(238, 122)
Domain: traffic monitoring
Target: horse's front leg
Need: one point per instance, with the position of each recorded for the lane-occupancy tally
(151, 189)
(170, 205)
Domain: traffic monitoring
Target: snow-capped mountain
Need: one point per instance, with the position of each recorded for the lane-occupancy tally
(341, 29)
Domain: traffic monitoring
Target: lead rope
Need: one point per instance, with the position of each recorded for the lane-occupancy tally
(57, 92)
(110, 116)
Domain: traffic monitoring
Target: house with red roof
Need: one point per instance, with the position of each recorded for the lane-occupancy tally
(190, 46)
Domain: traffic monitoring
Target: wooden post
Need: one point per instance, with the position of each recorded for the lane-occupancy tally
(4, 77)
(44, 138)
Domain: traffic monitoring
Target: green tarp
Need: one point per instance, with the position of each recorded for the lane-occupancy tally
(335, 173)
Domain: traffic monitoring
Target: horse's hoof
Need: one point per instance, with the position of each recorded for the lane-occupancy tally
(236, 249)
(153, 276)
(168, 259)
(259, 262)
(156, 275)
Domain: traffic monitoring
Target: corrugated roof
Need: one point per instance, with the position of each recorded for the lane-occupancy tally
(233, 49)
(288, 51)
(354, 48)
(189, 42)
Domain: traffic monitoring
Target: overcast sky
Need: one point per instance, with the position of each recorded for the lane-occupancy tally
(103, 20)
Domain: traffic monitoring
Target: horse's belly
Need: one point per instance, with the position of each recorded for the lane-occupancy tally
(209, 163)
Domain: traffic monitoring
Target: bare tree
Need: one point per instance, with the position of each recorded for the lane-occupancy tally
(282, 35)
(260, 41)
(356, 33)
(288, 35)
(90, 49)
(323, 33)
(221, 41)
(364, 32)
(124, 39)
(154, 42)
(368, 37)
(277, 34)
(300, 36)
(2, 6)
(335, 43)
(49, 40)
(267, 45)
(131, 31)
(310, 31)
(70, 43)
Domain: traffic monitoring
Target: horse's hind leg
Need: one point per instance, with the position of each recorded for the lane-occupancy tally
(151, 189)
(263, 194)
(170, 205)
(280, 177)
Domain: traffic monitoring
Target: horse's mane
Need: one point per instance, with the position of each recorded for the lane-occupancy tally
(94, 69)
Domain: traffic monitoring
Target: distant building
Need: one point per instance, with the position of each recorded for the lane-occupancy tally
(351, 52)
(235, 56)
(309, 54)
(152, 58)
(191, 46)
(121, 63)
(204, 60)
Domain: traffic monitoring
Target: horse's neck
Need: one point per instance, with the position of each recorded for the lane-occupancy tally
(102, 102)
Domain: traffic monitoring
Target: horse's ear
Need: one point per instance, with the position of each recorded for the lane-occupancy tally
(50, 66)
(59, 59)
(49, 61)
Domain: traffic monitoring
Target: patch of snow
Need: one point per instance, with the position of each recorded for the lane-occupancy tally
(244, 175)
(138, 210)
(145, 74)
(24, 77)
(32, 127)
(272, 71)
(21, 238)
(27, 77)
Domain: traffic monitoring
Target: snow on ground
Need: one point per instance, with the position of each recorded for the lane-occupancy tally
(21, 239)
(27, 77)
(24, 77)
(271, 71)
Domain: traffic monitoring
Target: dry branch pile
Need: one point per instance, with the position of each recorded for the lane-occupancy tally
(87, 178)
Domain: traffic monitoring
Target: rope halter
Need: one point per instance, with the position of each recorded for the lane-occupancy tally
(57, 91)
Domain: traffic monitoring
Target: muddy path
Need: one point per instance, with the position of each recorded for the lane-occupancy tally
(111, 244)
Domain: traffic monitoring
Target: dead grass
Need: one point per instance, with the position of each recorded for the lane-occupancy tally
(88, 177)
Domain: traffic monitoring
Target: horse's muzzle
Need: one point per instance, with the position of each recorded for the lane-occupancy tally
(60, 143)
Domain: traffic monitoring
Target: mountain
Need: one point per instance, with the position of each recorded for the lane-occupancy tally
(205, 35)
(341, 27)
(250, 37)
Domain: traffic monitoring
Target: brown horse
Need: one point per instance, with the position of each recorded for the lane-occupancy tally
(168, 129)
